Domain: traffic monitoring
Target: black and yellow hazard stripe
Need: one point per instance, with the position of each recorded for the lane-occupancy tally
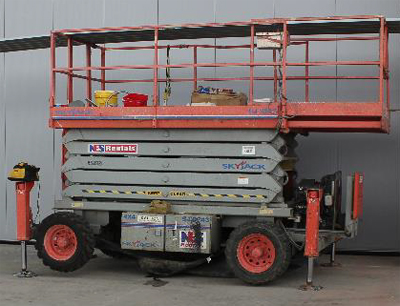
(228, 195)
(175, 194)
(113, 191)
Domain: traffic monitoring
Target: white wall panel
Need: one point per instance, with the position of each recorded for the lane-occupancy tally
(309, 8)
(178, 12)
(27, 134)
(131, 13)
(186, 11)
(237, 10)
(3, 173)
(387, 8)
(26, 18)
(119, 13)
(377, 155)
(78, 14)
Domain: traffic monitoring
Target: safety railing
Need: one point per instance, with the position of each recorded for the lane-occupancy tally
(279, 63)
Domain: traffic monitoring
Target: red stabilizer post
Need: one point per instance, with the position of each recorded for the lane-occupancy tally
(358, 195)
(311, 250)
(312, 222)
(24, 214)
(24, 223)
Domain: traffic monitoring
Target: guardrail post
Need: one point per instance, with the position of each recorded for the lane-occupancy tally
(70, 72)
(103, 71)
(89, 72)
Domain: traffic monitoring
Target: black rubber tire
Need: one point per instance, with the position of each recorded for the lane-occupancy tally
(85, 241)
(282, 252)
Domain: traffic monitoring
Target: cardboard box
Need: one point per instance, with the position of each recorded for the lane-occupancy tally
(220, 99)
(270, 40)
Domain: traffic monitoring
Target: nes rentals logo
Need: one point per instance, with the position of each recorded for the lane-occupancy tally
(188, 240)
(101, 148)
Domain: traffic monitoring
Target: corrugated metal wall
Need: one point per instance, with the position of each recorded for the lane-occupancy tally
(24, 134)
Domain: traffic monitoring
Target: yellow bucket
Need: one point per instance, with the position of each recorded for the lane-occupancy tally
(106, 98)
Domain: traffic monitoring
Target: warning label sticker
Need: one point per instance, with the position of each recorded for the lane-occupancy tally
(178, 194)
(150, 192)
(243, 180)
(150, 219)
(248, 150)
(101, 148)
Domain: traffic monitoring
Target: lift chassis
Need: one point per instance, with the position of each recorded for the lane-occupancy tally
(197, 192)
(194, 182)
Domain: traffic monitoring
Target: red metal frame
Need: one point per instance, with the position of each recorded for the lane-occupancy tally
(282, 113)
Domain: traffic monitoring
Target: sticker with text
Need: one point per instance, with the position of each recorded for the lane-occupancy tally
(243, 180)
(102, 148)
(150, 219)
(248, 150)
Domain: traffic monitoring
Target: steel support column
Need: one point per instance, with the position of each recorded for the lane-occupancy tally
(70, 84)
(103, 71)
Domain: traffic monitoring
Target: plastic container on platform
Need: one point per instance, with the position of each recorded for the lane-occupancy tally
(106, 98)
(135, 100)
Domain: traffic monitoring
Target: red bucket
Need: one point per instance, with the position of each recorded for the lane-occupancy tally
(135, 100)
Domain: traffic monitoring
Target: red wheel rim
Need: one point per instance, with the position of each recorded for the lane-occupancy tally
(60, 242)
(256, 253)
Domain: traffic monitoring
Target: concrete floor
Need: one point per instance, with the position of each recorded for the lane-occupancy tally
(360, 280)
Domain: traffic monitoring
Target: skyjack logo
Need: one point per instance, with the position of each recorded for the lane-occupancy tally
(243, 166)
(100, 148)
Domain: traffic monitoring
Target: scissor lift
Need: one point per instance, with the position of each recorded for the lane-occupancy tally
(195, 180)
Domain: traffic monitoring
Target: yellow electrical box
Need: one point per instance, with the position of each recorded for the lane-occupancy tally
(22, 172)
